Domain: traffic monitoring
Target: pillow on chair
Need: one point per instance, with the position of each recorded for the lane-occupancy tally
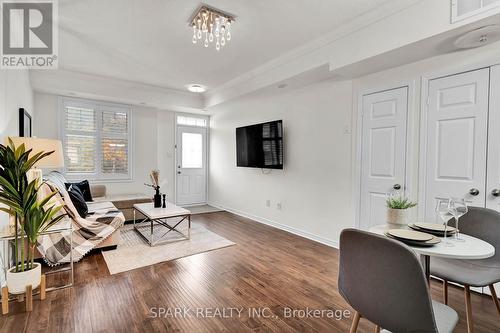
(78, 200)
(84, 188)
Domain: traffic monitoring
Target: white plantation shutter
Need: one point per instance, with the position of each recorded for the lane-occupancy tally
(80, 141)
(462, 9)
(96, 140)
(114, 142)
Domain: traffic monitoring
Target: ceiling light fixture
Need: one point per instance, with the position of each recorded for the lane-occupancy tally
(196, 88)
(211, 24)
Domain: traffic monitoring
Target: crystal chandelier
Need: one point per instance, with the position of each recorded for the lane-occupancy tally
(211, 25)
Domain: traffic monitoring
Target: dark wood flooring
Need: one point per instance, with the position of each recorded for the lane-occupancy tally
(268, 269)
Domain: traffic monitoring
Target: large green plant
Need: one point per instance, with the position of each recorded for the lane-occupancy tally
(19, 195)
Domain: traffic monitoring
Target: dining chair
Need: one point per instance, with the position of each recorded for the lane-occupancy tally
(484, 224)
(383, 280)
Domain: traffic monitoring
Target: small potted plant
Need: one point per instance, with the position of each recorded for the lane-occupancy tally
(397, 209)
(31, 215)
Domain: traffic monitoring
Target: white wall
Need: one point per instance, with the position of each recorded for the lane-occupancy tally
(314, 188)
(15, 93)
(152, 143)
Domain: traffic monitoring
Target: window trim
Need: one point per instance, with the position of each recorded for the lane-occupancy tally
(99, 106)
(481, 12)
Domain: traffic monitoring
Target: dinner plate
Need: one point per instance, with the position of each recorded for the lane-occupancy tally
(434, 227)
(412, 235)
(435, 240)
(432, 232)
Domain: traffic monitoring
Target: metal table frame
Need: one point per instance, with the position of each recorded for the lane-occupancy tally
(6, 261)
(163, 222)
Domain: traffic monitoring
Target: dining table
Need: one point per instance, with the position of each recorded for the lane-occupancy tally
(468, 248)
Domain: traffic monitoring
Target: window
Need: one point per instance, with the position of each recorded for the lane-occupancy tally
(96, 139)
(191, 121)
(192, 150)
(462, 9)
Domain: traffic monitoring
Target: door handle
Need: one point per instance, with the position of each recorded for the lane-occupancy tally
(474, 191)
(397, 186)
(495, 192)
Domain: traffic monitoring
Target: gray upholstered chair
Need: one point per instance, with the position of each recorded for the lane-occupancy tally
(484, 224)
(383, 281)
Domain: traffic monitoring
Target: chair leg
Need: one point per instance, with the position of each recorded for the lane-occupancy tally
(377, 329)
(495, 297)
(355, 322)
(468, 308)
(445, 292)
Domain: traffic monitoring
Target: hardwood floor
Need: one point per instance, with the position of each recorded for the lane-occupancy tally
(268, 269)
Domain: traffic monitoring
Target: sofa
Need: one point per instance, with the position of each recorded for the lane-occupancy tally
(102, 201)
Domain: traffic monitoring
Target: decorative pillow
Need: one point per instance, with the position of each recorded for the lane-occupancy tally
(84, 187)
(78, 201)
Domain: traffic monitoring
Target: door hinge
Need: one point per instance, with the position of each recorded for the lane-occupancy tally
(428, 101)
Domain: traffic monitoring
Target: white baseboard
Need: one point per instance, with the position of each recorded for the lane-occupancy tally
(295, 231)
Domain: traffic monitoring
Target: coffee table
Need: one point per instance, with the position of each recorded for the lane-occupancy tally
(157, 218)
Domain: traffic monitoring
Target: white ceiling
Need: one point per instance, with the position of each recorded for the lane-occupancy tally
(149, 41)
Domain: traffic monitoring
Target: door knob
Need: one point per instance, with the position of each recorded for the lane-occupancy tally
(473, 191)
(495, 192)
(397, 186)
(179, 172)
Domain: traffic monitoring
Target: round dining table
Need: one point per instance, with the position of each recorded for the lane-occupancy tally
(468, 249)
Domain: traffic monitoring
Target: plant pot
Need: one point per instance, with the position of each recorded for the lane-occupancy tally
(17, 282)
(397, 216)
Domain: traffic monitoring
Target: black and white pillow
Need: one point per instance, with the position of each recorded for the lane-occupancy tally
(78, 200)
(84, 187)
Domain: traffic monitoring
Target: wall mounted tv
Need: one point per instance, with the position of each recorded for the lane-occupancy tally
(260, 146)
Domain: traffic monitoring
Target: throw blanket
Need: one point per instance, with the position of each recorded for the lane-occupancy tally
(87, 233)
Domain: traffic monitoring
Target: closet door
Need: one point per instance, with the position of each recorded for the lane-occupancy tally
(383, 152)
(493, 169)
(457, 123)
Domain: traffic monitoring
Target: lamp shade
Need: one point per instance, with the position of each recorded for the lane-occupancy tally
(54, 160)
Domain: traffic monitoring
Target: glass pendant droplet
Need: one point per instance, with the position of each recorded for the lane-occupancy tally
(217, 46)
(206, 42)
(211, 37)
(194, 39)
(223, 41)
(199, 34)
(228, 35)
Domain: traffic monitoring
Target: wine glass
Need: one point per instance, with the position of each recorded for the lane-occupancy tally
(442, 209)
(458, 208)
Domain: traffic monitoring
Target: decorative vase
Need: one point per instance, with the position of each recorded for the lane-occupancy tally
(18, 281)
(157, 198)
(397, 216)
(164, 201)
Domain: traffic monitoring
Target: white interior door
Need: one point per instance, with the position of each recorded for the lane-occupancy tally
(493, 169)
(383, 152)
(456, 139)
(191, 165)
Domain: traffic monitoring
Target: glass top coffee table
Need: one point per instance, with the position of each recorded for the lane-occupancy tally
(155, 228)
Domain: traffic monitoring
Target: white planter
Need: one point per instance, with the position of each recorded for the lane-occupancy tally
(17, 282)
(397, 216)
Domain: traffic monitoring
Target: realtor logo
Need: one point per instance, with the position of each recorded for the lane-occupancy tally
(29, 34)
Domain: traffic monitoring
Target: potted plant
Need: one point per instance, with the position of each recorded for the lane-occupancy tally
(397, 209)
(31, 215)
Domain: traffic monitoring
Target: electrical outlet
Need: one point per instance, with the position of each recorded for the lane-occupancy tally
(278, 205)
(268, 203)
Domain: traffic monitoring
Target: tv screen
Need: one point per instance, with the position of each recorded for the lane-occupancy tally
(260, 146)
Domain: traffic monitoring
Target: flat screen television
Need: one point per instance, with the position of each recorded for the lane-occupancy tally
(260, 145)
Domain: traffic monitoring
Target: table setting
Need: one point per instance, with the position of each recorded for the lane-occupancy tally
(428, 238)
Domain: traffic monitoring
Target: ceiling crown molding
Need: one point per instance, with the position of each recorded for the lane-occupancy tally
(234, 87)
(71, 83)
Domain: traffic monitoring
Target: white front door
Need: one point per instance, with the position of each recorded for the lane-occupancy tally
(191, 165)
(457, 117)
(383, 152)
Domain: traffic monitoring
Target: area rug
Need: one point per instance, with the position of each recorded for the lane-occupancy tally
(133, 252)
